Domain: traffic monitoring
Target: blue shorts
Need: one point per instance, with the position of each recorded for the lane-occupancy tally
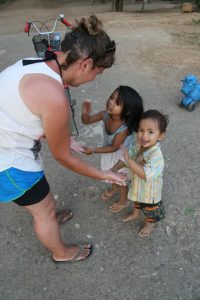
(14, 183)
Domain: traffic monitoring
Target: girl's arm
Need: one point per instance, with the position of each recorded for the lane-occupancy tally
(119, 165)
(134, 166)
(86, 118)
(117, 142)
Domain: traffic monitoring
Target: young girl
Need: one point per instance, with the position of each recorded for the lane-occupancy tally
(121, 117)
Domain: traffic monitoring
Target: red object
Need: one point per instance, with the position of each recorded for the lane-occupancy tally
(65, 22)
(27, 27)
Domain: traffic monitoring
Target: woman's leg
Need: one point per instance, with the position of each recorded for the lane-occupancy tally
(48, 232)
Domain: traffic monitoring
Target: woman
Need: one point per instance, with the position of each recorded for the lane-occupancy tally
(32, 105)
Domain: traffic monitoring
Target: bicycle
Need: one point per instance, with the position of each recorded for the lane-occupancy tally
(49, 40)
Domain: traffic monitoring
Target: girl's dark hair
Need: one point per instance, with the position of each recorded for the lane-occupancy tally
(162, 119)
(132, 104)
(87, 39)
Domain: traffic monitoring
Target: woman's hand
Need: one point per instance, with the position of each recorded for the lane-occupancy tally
(74, 145)
(113, 177)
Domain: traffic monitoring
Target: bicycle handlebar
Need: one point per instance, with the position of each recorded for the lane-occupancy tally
(27, 27)
(65, 22)
(60, 18)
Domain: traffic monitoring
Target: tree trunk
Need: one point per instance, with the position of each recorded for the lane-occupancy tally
(117, 5)
(102, 1)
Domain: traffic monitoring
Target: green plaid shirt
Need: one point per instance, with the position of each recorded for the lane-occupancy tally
(147, 190)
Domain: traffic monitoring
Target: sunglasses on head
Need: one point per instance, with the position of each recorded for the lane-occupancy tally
(112, 48)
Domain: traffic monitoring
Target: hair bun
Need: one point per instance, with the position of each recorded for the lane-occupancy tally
(92, 25)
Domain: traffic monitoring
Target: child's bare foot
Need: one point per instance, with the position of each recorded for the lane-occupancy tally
(118, 206)
(134, 215)
(146, 230)
(108, 194)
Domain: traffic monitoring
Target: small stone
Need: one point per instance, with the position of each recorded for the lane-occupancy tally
(168, 230)
(91, 187)
(89, 236)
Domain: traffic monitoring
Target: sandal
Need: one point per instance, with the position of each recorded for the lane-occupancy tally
(64, 216)
(115, 207)
(107, 195)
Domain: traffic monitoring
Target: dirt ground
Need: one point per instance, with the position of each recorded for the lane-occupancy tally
(160, 38)
(155, 50)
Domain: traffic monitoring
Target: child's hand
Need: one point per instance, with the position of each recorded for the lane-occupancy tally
(118, 178)
(87, 150)
(86, 107)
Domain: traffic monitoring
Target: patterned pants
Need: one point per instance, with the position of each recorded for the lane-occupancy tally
(153, 212)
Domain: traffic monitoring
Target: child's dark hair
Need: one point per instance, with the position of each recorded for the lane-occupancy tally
(87, 39)
(162, 119)
(132, 106)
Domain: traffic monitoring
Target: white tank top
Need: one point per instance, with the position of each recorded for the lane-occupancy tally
(20, 129)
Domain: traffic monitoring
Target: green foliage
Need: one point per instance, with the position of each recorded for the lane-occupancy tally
(3, 1)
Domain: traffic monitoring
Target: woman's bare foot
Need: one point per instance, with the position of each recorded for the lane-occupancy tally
(134, 215)
(74, 252)
(146, 230)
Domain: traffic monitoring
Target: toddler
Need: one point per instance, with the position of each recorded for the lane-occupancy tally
(145, 160)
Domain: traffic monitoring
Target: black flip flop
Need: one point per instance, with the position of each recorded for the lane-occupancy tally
(65, 215)
(77, 255)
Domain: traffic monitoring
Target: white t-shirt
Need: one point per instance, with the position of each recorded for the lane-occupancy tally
(20, 129)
